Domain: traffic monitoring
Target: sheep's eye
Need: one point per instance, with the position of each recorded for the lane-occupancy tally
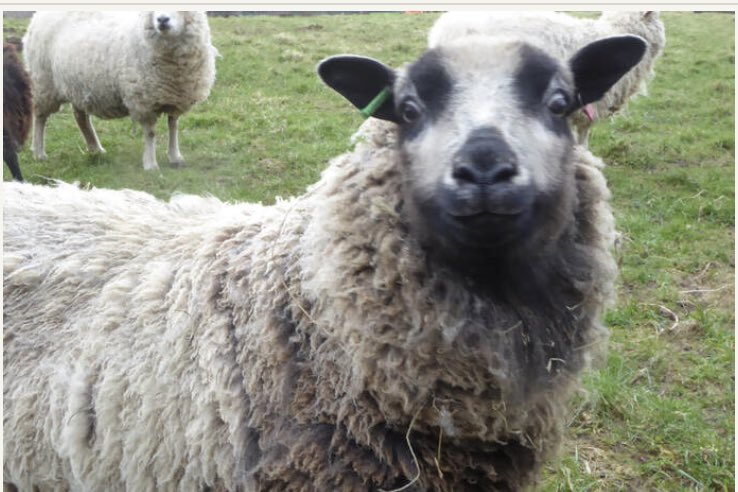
(409, 111)
(558, 103)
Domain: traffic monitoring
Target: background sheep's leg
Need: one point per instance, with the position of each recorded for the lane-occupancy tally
(175, 157)
(37, 139)
(10, 156)
(85, 126)
(149, 155)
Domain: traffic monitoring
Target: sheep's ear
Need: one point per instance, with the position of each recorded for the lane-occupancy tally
(360, 80)
(600, 64)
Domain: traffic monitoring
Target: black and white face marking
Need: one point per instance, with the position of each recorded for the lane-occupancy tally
(491, 143)
(420, 102)
(541, 89)
(512, 88)
(483, 133)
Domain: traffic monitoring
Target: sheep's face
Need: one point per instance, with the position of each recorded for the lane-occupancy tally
(483, 132)
(169, 24)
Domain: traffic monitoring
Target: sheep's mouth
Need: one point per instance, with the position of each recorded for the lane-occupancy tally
(496, 213)
(471, 203)
(486, 230)
(485, 217)
(477, 220)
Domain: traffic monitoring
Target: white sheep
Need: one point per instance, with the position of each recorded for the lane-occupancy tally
(563, 35)
(115, 64)
(419, 316)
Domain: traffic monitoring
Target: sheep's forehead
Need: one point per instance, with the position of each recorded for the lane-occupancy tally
(482, 59)
(500, 78)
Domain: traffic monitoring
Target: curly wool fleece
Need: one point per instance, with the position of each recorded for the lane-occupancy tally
(196, 344)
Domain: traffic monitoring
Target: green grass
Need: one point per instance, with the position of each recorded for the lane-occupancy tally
(269, 125)
(660, 414)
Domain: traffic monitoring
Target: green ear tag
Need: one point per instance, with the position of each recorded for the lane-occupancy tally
(375, 103)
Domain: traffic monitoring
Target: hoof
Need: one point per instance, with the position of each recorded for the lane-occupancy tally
(177, 163)
(151, 166)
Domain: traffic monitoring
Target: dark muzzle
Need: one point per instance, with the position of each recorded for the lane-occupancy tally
(163, 23)
(482, 178)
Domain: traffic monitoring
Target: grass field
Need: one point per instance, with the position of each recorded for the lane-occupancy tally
(660, 414)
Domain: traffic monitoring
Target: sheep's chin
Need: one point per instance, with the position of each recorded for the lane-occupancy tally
(472, 237)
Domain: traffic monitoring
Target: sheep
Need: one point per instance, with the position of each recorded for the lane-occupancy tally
(564, 35)
(17, 104)
(116, 64)
(417, 318)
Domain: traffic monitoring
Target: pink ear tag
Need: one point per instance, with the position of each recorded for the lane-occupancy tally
(590, 112)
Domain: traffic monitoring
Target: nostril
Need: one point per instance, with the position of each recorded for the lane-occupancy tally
(502, 172)
(465, 173)
(163, 20)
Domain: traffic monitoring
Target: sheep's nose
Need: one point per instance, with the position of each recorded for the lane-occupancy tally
(163, 21)
(485, 159)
